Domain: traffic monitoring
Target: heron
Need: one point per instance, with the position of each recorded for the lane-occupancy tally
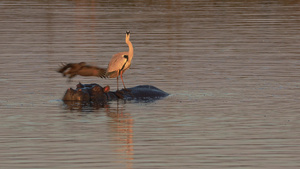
(120, 62)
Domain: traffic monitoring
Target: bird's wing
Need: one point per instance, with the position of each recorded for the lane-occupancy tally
(63, 67)
(117, 62)
(89, 70)
(101, 72)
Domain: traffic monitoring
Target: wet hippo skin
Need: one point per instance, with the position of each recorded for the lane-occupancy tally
(98, 94)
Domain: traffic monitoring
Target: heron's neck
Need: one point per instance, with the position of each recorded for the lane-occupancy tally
(130, 52)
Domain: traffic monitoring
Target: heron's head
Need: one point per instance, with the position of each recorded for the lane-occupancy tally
(127, 35)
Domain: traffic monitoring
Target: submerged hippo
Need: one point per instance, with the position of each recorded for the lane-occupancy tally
(101, 95)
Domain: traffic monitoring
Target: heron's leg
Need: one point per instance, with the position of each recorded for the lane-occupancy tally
(117, 83)
(125, 89)
(122, 79)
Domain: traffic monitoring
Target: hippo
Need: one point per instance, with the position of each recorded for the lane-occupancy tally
(95, 94)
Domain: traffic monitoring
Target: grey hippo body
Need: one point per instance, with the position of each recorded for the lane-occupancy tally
(96, 94)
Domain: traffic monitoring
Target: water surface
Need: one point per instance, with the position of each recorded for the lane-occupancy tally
(232, 69)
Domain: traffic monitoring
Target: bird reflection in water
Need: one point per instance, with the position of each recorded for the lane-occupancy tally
(121, 126)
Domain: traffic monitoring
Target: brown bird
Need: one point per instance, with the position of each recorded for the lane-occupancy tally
(120, 62)
(82, 69)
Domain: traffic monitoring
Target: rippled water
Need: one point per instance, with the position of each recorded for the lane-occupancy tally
(232, 69)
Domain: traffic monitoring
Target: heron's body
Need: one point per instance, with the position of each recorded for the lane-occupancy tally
(120, 62)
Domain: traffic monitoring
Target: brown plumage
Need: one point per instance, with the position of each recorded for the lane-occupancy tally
(82, 69)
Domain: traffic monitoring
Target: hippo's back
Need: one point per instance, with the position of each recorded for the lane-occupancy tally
(145, 92)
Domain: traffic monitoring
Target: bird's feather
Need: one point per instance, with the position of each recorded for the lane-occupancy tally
(73, 69)
(112, 74)
(116, 63)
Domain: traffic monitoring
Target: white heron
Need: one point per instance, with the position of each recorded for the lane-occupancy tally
(120, 62)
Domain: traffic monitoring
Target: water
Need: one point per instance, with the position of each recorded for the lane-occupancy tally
(232, 69)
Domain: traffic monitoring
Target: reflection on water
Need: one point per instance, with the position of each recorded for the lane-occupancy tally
(83, 106)
(122, 128)
(231, 68)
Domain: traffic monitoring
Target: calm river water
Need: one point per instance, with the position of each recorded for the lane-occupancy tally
(231, 67)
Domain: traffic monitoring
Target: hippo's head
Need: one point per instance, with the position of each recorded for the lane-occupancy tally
(87, 92)
(76, 95)
(99, 94)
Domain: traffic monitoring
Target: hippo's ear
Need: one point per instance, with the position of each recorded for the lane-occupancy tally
(79, 85)
(106, 89)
